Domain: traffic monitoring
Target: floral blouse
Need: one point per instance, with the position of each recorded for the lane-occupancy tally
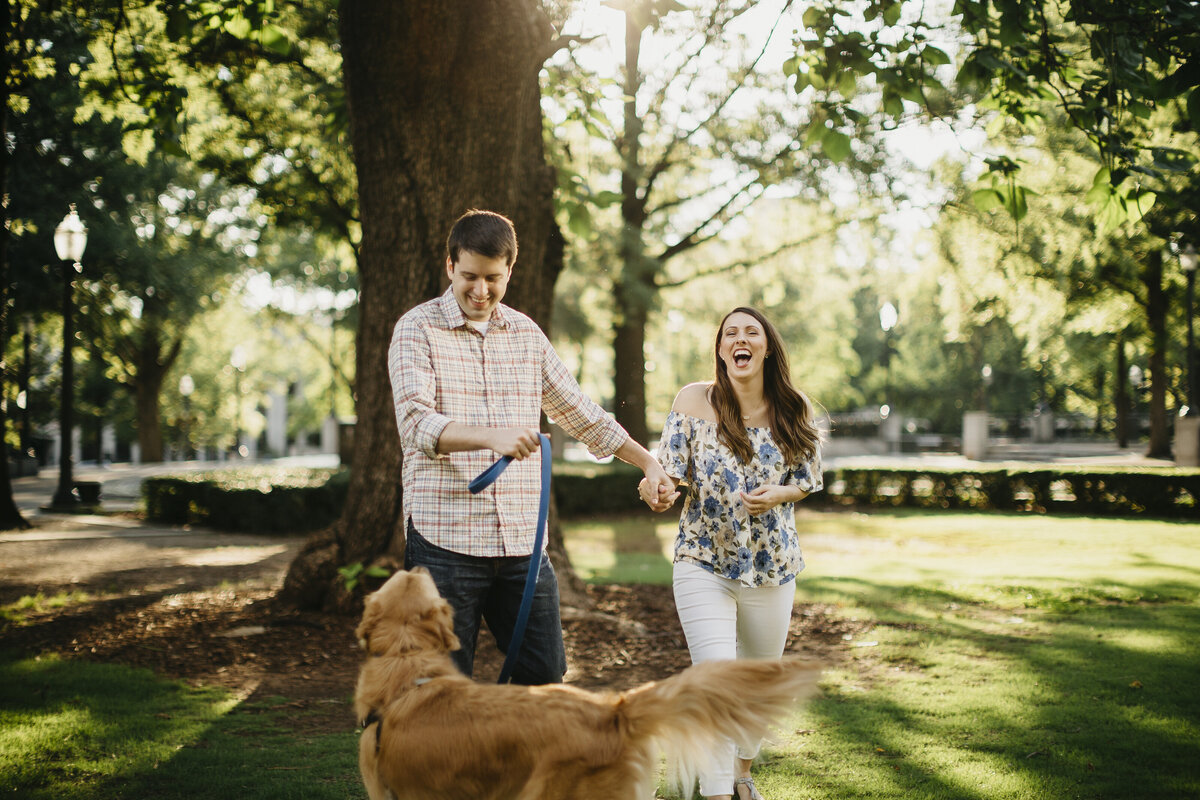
(715, 531)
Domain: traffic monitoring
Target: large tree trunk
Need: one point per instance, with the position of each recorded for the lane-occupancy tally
(149, 433)
(1156, 320)
(633, 292)
(629, 378)
(152, 367)
(445, 116)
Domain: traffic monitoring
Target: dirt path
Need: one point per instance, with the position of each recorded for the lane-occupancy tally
(200, 606)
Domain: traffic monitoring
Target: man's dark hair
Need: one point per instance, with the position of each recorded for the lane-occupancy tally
(485, 233)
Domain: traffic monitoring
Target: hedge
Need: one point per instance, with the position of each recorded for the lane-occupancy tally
(249, 500)
(1114, 491)
(270, 500)
(581, 489)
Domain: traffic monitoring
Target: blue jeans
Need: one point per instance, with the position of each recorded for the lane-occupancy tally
(490, 589)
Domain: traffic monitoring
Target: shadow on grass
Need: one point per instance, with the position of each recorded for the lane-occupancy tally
(82, 730)
(1096, 699)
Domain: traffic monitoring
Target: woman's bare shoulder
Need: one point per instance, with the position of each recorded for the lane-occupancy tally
(693, 401)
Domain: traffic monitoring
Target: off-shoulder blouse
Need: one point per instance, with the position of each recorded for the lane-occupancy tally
(715, 530)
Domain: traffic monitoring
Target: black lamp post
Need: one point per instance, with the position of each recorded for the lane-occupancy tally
(26, 437)
(237, 360)
(986, 374)
(70, 240)
(1187, 260)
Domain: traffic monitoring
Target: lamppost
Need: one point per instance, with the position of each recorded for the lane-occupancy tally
(186, 387)
(888, 316)
(1187, 260)
(986, 374)
(70, 240)
(26, 435)
(237, 360)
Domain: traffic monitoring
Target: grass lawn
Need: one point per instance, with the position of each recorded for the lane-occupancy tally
(71, 729)
(1014, 656)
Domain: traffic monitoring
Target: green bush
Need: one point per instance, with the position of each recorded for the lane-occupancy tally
(1113, 491)
(252, 500)
(271, 500)
(581, 489)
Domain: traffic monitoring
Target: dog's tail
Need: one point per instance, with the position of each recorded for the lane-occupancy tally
(691, 714)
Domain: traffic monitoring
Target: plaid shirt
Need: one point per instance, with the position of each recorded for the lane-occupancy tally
(442, 371)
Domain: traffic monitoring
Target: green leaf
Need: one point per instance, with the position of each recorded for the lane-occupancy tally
(935, 56)
(171, 146)
(987, 199)
(891, 14)
(275, 39)
(239, 27)
(1112, 213)
(1014, 202)
(606, 198)
(1137, 205)
(892, 104)
(837, 146)
(848, 84)
(1193, 108)
(579, 221)
(1139, 110)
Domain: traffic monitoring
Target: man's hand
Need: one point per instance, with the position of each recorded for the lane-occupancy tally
(516, 442)
(657, 490)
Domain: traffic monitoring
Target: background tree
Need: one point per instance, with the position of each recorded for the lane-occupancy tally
(703, 132)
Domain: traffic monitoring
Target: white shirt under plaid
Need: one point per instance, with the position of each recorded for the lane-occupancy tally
(443, 370)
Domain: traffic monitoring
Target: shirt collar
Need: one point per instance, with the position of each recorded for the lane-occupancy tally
(455, 318)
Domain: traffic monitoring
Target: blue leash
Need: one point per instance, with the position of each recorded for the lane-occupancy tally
(484, 480)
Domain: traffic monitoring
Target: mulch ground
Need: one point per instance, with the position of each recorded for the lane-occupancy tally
(228, 630)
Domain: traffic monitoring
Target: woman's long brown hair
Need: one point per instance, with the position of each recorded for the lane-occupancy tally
(789, 412)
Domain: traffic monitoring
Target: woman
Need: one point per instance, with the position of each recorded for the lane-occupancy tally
(748, 449)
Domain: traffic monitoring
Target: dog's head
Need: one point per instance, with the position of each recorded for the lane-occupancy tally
(406, 615)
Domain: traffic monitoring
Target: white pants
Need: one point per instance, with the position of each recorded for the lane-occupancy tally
(723, 620)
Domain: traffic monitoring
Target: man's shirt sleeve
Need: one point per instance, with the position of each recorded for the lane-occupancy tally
(414, 388)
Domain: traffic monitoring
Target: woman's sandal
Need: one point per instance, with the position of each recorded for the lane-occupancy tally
(748, 783)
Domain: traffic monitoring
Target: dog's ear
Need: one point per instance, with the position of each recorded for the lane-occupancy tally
(443, 617)
(369, 619)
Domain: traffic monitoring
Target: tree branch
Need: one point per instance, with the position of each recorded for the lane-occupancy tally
(748, 262)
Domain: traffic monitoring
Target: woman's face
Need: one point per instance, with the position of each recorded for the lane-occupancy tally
(742, 345)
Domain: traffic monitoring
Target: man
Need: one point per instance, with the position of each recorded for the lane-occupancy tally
(470, 378)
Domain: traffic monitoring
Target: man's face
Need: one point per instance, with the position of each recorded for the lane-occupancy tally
(478, 283)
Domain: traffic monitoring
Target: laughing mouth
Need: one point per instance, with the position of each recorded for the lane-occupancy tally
(741, 356)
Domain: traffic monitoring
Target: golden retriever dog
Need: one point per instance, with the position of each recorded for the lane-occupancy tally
(431, 733)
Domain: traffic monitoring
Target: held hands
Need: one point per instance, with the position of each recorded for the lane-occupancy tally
(660, 495)
(516, 442)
